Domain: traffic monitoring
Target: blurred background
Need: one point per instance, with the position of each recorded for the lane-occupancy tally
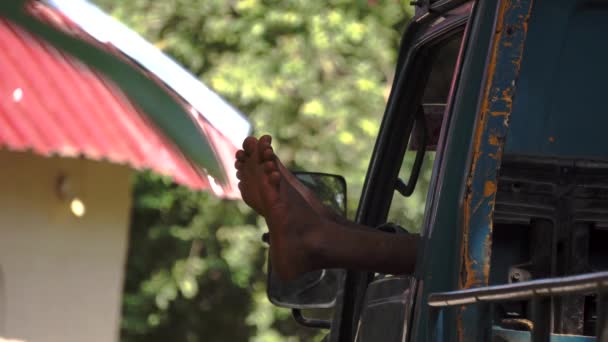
(313, 74)
(316, 76)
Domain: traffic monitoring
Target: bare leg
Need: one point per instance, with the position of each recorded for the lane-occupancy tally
(304, 235)
(263, 189)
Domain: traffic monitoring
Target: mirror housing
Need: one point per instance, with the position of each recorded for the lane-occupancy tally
(312, 290)
(317, 289)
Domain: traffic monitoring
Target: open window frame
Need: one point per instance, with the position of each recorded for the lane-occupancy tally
(397, 125)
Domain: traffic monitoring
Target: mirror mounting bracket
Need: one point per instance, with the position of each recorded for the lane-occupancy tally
(406, 189)
(310, 322)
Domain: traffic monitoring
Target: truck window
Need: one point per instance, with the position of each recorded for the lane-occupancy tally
(389, 298)
(408, 211)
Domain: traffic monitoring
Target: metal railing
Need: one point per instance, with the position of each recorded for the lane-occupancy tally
(539, 292)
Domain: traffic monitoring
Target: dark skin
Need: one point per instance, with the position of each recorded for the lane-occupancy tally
(306, 236)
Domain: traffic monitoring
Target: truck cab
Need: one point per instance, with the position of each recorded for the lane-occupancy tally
(505, 99)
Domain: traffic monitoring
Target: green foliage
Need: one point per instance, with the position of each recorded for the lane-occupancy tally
(315, 75)
(178, 281)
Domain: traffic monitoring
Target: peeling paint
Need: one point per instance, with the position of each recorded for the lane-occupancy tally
(493, 140)
(502, 70)
(489, 189)
(507, 97)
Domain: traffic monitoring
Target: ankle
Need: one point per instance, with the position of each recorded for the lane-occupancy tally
(317, 245)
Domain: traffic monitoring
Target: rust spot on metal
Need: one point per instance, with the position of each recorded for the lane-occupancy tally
(524, 24)
(459, 325)
(507, 97)
(468, 278)
(497, 101)
(489, 189)
(499, 113)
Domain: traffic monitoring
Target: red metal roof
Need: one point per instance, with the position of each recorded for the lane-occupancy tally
(51, 103)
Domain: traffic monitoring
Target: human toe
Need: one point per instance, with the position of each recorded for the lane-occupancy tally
(265, 139)
(239, 164)
(270, 166)
(240, 155)
(250, 145)
(274, 178)
(268, 154)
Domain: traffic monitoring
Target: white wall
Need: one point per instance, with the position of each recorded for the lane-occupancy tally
(61, 276)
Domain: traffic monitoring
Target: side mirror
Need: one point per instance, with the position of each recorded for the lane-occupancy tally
(316, 289)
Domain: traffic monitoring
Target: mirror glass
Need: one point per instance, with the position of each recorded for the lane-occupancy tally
(316, 289)
(329, 189)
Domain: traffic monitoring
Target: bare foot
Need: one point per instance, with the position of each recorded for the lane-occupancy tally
(295, 217)
(293, 224)
(292, 221)
(250, 167)
(270, 159)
